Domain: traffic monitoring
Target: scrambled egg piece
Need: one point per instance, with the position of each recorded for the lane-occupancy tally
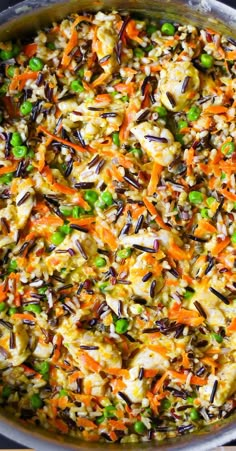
(171, 81)
(164, 149)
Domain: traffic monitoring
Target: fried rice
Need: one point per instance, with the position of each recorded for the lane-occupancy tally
(117, 228)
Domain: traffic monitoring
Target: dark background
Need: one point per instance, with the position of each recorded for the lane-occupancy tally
(4, 442)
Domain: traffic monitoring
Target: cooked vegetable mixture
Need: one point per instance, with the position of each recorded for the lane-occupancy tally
(117, 228)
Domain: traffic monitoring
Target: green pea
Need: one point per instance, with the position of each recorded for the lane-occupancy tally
(50, 45)
(62, 392)
(188, 294)
(182, 124)
(30, 153)
(103, 286)
(42, 290)
(12, 310)
(194, 414)
(168, 29)
(26, 108)
(139, 53)
(6, 54)
(124, 253)
(137, 153)
(107, 198)
(121, 326)
(228, 148)
(161, 110)
(77, 211)
(65, 229)
(100, 419)
(217, 337)
(148, 48)
(100, 204)
(11, 71)
(2, 306)
(100, 262)
(114, 93)
(179, 138)
(109, 411)
(35, 308)
(210, 201)
(204, 213)
(57, 238)
(233, 238)
(125, 98)
(19, 151)
(223, 176)
(6, 391)
(207, 61)
(139, 427)
(6, 178)
(36, 402)
(29, 168)
(150, 29)
(15, 50)
(91, 196)
(35, 64)
(194, 113)
(12, 266)
(165, 404)
(115, 138)
(196, 197)
(43, 368)
(66, 211)
(16, 139)
(77, 86)
(190, 400)
(3, 89)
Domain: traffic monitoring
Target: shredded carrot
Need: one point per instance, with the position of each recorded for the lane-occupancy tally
(51, 221)
(118, 385)
(30, 49)
(128, 118)
(230, 55)
(228, 195)
(66, 58)
(185, 360)
(156, 172)
(232, 327)
(19, 81)
(61, 425)
(160, 349)
(118, 425)
(63, 141)
(187, 317)
(132, 32)
(86, 423)
(106, 98)
(23, 316)
(100, 80)
(220, 246)
(177, 253)
(125, 88)
(159, 384)
(106, 235)
(204, 227)
(182, 377)
(152, 210)
(89, 362)
(3, 294)
(150, 373)
(216, 109)
(7, 169)
(118, 372)
(63, 189)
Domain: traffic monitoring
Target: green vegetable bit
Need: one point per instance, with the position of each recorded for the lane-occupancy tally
(124, 253)
(6, 391)
(194, 113)
(35, 308)
(137, 152)
(139, 53)
(100, 419)
(12, 310)
(116, 139)
(66, 211)
(194, 414)
(168, 29)
(19, 151)
(10, 71)
(204, 213)
(210, 201)
(43, 368)
(91, 196)
(109, 411)
(196, 197)
(6, 178)
(121, 326)
(77, 211)
(36, 402)
(35, 64)
(182, 124)
(57, 238)
(26, 108)
(65, 228)
(62, 392)
(228, 148)
(217, 337)
(100, 262)
(16, 139)
(233, 238)
(107, 198)
(207, 61)
(150, 29)
(2, 306)
(77, 86)
(50, 45)
(139, 427)
(161, 110)
(188, 294)
(165, 404)
(8, 54)
(12, 266)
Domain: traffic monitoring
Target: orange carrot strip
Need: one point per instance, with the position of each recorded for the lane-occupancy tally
(230, 55)
(63, 141)
(103, 98)
(228, 195)
(66, 58)
(187, 317)
(158, 348)
(182, 377)
(22, 79)
(52, 221)
(220, 246)
(63, 189)
(216, 109)
(152, 210)
(232, 327)
(159, 384)
(132, 32)
(3, 294)
(86, 423)
(119, 372)
(100, 80)
(150, 373)
(89, 362)
(23, 316)
(177, 253)
(118, 425)
(156, 171)
(7, 169)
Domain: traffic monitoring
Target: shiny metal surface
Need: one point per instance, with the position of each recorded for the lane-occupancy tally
(24, 18)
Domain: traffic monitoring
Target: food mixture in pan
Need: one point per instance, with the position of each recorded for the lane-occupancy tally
(117, 228)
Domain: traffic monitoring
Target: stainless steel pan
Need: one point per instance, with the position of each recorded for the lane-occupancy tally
(26, 17)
